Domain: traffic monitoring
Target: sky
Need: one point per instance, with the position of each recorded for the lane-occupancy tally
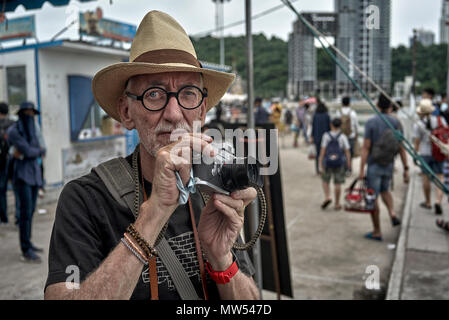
(198, 16)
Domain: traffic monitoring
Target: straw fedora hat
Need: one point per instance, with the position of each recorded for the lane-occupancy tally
(425, 107)
(160, 45)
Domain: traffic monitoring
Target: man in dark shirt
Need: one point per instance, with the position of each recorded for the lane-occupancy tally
(161, 89)
(5, 123)
(261, 115)
(379, 175)
(27, 176)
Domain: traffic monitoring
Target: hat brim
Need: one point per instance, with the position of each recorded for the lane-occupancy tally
(109, 83)
(36, 112)
(420, 111)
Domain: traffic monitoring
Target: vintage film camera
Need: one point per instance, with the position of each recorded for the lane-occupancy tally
(225, 173)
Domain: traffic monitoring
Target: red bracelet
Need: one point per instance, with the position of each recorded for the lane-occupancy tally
(222, 277)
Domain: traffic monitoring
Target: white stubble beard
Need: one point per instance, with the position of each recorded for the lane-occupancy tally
(149, 138)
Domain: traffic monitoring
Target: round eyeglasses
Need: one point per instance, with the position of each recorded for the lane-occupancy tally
(156, 98)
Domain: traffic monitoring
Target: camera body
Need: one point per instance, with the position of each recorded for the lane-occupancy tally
(225, 173)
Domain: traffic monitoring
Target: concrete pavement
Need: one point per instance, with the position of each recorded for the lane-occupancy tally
(421, 265)
(329, 256)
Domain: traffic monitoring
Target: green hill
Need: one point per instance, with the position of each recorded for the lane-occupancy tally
(271, 62)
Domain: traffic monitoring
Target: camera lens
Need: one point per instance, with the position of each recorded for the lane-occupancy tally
(239, 176)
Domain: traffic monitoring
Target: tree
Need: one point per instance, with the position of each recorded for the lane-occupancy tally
(270, 60)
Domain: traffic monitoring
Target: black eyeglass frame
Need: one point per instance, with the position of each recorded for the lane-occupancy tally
(169, 94)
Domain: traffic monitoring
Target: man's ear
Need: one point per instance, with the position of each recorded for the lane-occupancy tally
(124, 112)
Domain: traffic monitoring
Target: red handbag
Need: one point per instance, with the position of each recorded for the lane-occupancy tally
(359, 198)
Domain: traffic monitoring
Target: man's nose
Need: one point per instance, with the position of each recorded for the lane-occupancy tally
(172, 111)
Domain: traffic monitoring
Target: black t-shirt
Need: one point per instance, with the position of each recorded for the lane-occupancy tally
(89, 224)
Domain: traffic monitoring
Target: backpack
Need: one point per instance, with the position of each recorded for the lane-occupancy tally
(288, 117)
(346, 126)
(334, 156)
(441, 133)
(385, 149)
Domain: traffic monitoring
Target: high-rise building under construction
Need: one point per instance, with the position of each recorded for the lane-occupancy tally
(364, 36)
(444, 22)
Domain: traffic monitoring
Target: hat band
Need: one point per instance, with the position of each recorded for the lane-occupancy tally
(168, 56)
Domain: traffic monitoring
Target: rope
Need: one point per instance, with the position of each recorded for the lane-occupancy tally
(404, 142)
(263, 216)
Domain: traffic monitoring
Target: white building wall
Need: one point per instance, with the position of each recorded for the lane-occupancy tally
(55, 66)
(19, 58)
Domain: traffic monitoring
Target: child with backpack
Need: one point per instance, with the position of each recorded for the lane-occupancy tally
(334, 158)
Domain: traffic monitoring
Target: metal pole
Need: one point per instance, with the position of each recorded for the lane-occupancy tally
(222, 49)
(414, 63)
(447, 80)
(249, 63)
(253, 212)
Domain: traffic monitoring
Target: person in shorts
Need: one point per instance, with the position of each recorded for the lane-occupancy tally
(423, 144)
(334, 169)
(378, 176)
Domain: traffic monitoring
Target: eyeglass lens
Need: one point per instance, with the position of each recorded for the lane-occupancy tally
(157, 98)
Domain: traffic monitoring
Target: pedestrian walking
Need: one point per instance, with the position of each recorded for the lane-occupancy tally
(5, 123)
(349, 125)
(334, 158)
(276, 112)
(443, 106)
(423, 144)
(27, 176)
(261, 115)
(429, 93)
(378, 151)
(320, 125)
(302, 124)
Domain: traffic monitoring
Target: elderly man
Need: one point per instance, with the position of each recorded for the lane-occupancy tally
(161, 89)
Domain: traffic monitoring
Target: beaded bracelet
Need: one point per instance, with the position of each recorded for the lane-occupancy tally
(137, 254)
(136, 247)
(149, 250)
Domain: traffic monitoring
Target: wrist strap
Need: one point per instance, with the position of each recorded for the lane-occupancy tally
(222, 277)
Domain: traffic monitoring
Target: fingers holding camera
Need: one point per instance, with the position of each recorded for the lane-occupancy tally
(247, 195)
(195, 141)
(181, 152)
(229, 206)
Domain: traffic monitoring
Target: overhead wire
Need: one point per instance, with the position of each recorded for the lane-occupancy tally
(256, 16)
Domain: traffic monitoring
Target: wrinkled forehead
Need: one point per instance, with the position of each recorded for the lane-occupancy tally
(177, 79)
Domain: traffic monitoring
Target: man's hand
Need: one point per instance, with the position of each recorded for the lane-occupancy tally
(321, 168)
(220, 224)
(17, 154)
(362, 175)
(406, 176)
(164, 195)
